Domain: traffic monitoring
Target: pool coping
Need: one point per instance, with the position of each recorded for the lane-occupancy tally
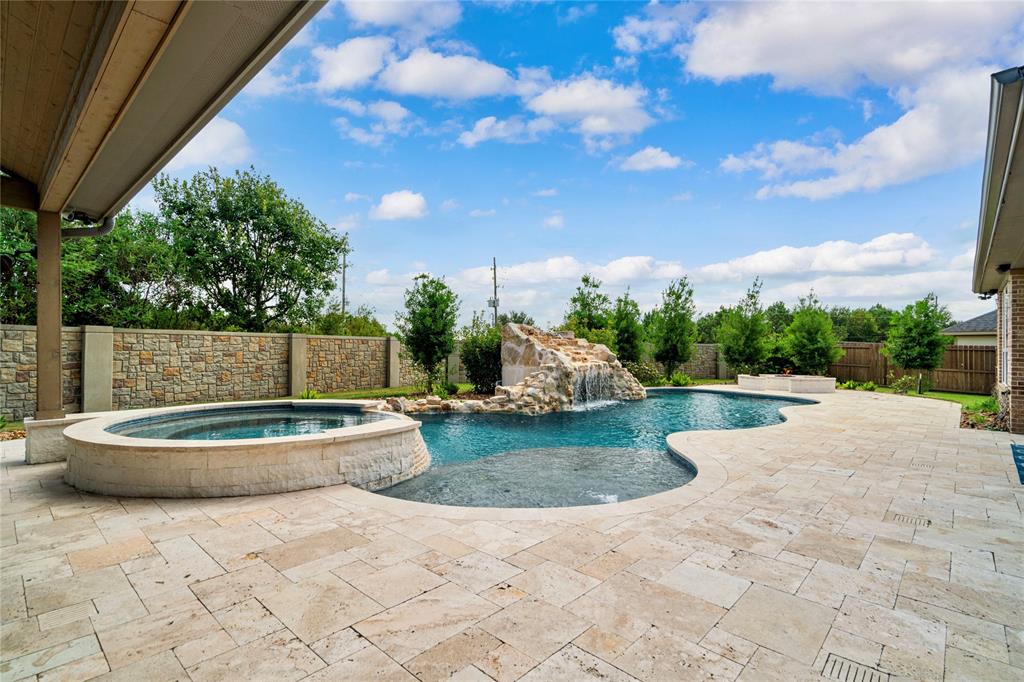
(711, 475)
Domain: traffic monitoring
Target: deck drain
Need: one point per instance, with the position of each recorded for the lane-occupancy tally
(845, 670)
(922, 465)
(909, 519)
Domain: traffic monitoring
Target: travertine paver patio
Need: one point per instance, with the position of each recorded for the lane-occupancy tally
(868, 528)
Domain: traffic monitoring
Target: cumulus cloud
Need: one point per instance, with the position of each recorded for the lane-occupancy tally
(892, 251)
(387, 119)
(353, 196)
(547, 192)
(413, 20)
(458, 77)
(512, 130)
(601, 110)
(482, 213)
(555, 221)
(401, 205)
(657, 26)
(650, 158)
(221, 143)
(352, 63)
(933, 59)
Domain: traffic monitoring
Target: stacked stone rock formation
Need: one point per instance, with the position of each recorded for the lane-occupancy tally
(554, 369)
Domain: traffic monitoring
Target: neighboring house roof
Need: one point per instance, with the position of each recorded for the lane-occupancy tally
(982, 324)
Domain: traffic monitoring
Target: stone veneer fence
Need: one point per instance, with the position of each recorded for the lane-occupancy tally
(107, 368)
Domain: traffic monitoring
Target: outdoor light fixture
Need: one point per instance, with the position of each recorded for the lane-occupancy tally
(1003, 267)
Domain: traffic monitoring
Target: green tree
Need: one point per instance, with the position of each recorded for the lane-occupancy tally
(863, 326)
(481, 353)
(252, 257)
(515, 317)
(589, 308)
(744, 335)
(707, 325)
(810, 341)
(628, 331)
(840, 316)
(883, 316)
(778, 317)
(915, 340)
(674, 328)
(360, 323)
(427, 327)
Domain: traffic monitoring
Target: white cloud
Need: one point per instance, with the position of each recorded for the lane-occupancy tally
(481, 213)
(449, 205)
(899, 251)
(601, 110)
(658, 26)
(963, 260)
(352, 63)
(347, 222)
(682, 196)
(414, 20)
(270, 82)
(400, 205)
(555, 221)
(636, 268)
(353, 196)
(378, 277)
(221, 143)
(576, 12)
(944, 128)
(389, 118)
(650, 158)
(548, 192)
(933, 59)
(513, 130)
(457, 77)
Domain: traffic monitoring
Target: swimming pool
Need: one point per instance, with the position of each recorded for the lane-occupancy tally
(610, 454)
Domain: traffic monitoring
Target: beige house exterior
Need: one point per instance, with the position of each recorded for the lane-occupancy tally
(999, 259)
(977, 331)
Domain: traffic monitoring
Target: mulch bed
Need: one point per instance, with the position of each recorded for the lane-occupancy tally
(984, 421)
(14, 434)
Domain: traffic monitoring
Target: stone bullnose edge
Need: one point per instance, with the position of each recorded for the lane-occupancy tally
(374, 455)
(711, 476)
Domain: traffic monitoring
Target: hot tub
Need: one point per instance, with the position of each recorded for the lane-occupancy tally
(246, 448)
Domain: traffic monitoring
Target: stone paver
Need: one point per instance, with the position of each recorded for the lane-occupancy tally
(868, 527)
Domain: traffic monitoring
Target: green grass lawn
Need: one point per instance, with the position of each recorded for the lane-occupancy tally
(13, 426)
(968, 401)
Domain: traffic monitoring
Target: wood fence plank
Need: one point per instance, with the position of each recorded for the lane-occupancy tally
(964, 369)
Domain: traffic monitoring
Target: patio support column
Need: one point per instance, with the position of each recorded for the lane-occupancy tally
(49, 390)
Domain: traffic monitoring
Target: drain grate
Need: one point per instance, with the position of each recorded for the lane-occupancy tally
(845, 670)
(908, 519)
(922, 465)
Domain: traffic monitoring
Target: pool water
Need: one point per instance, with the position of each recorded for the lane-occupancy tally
(244, 422)
(614, 453)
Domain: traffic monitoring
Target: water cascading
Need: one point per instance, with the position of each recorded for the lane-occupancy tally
(592, 386)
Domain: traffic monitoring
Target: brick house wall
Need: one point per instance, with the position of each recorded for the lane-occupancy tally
(1012, 386)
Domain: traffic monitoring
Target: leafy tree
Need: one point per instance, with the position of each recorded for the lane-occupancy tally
(589, 308)
(707, 325)
(883, 316)
(810, 341)
(253, 257)
(515, 317)
(778, 317)
(916, 341)
(628, 331)
(743, 334)
(863, 326)
(840, 316)
(481, 354)
(675, 330)
(335, 323)
(427, 327)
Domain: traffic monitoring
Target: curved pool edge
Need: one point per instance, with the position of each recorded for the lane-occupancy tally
(374, 455)
(711, 475)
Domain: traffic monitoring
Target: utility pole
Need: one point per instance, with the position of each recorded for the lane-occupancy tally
(494, 301)
(344, 272)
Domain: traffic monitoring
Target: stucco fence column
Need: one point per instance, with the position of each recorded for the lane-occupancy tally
(97, 368)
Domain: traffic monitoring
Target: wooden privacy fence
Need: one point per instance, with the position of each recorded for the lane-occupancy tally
(964, 369)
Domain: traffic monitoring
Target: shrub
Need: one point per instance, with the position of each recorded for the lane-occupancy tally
(451, 389)
(680, 379)
(481, 354)
(628, 332)
(442, 392)
(903, 385)
(868, 386)
(309, 394)
(427, 326)
(743, 333)
(647, 373)
(810, 341)
(850, 385)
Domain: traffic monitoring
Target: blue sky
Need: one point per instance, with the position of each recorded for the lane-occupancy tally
(830, 146)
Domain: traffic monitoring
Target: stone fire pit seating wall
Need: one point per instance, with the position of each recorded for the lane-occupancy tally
(542, 372)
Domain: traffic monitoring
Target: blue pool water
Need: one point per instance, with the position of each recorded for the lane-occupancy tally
(244, 422)
(614, 453)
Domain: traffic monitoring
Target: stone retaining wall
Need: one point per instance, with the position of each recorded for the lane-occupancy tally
(340, 363)
(18, 370)
(705, 364)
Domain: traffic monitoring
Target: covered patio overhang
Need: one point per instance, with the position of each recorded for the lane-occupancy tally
(1000, 246)
(97, 97)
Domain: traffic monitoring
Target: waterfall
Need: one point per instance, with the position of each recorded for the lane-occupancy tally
(592, 386)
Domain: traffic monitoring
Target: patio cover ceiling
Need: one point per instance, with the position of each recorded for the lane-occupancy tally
(1001, 225)
(98, 96)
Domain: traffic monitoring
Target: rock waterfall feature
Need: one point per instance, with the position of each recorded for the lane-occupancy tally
(543, 372)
